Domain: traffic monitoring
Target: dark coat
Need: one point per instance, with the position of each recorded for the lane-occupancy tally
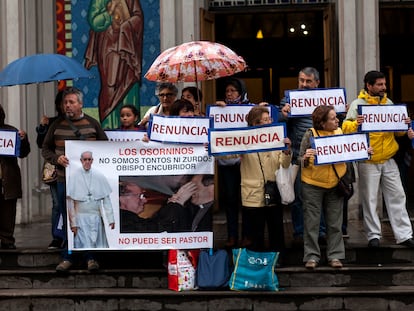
(11, 178)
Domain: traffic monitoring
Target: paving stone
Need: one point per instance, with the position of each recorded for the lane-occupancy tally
(15, 282)
(16, 304)
(329, 303)
(366, 304)
(97, 304)
(43, 304)
(139, 304)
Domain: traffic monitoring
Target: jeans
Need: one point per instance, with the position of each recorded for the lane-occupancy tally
(55, 211)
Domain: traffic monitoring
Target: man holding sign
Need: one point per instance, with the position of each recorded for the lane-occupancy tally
(308, 78)
(381, 170)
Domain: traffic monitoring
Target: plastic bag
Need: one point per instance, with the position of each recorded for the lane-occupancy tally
(182, 266)
(285, 180)
(254, 270)
(213, 270)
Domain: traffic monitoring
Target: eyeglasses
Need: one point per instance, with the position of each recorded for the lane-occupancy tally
(141, 196)
(169, 95)
(87, 159)
(267, 120)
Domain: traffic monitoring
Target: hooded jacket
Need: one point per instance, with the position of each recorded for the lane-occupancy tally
(11, 180)
(384, 144)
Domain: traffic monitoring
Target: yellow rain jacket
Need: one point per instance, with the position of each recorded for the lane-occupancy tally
(383, 143)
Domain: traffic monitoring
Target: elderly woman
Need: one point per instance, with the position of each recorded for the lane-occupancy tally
(319, 191)
(255, 170)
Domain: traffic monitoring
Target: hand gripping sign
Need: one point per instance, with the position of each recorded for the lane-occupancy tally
(341, 148)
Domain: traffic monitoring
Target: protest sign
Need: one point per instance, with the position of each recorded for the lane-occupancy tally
(142, 177)
(383, 118)
(341, 148)
(187, 130)
(233, 116)
(247, 140)
(304, 101)
(119, 135)
(9, 143)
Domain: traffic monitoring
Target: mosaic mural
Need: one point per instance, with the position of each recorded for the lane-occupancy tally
(117, 40)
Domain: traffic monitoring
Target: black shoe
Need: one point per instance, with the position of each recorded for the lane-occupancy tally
(374, 243)
(55, 244)
(8, 246)
(408, 243)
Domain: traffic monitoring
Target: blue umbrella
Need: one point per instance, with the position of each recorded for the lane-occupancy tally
(42, 68)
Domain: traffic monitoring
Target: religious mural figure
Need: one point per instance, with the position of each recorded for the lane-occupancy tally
(115, 46)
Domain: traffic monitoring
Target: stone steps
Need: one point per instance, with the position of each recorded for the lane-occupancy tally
(155, 279)
(356, 253)
(372, 279)
(300, 298)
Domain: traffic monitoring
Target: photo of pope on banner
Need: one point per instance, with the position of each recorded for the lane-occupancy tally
(158, 168)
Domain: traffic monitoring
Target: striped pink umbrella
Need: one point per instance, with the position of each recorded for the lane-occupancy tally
(195, 61)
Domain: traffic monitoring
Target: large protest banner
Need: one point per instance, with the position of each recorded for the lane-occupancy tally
(142, 177)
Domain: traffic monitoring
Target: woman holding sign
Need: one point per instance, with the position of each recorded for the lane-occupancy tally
(255, 169)
(319, 191)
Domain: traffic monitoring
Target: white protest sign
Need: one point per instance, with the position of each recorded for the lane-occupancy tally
(189, 130)
(341, 148)
(118, 135)
(157, 171)
(231, 116)
(383, 118)
(9, 143)
(245, 140)
(303, 102)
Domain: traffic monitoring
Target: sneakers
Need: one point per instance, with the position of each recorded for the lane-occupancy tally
(64, 266)
(311, 264)
(408, 243)
(55, 244)
(336, 264)
(373, 243)
(93, 265)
